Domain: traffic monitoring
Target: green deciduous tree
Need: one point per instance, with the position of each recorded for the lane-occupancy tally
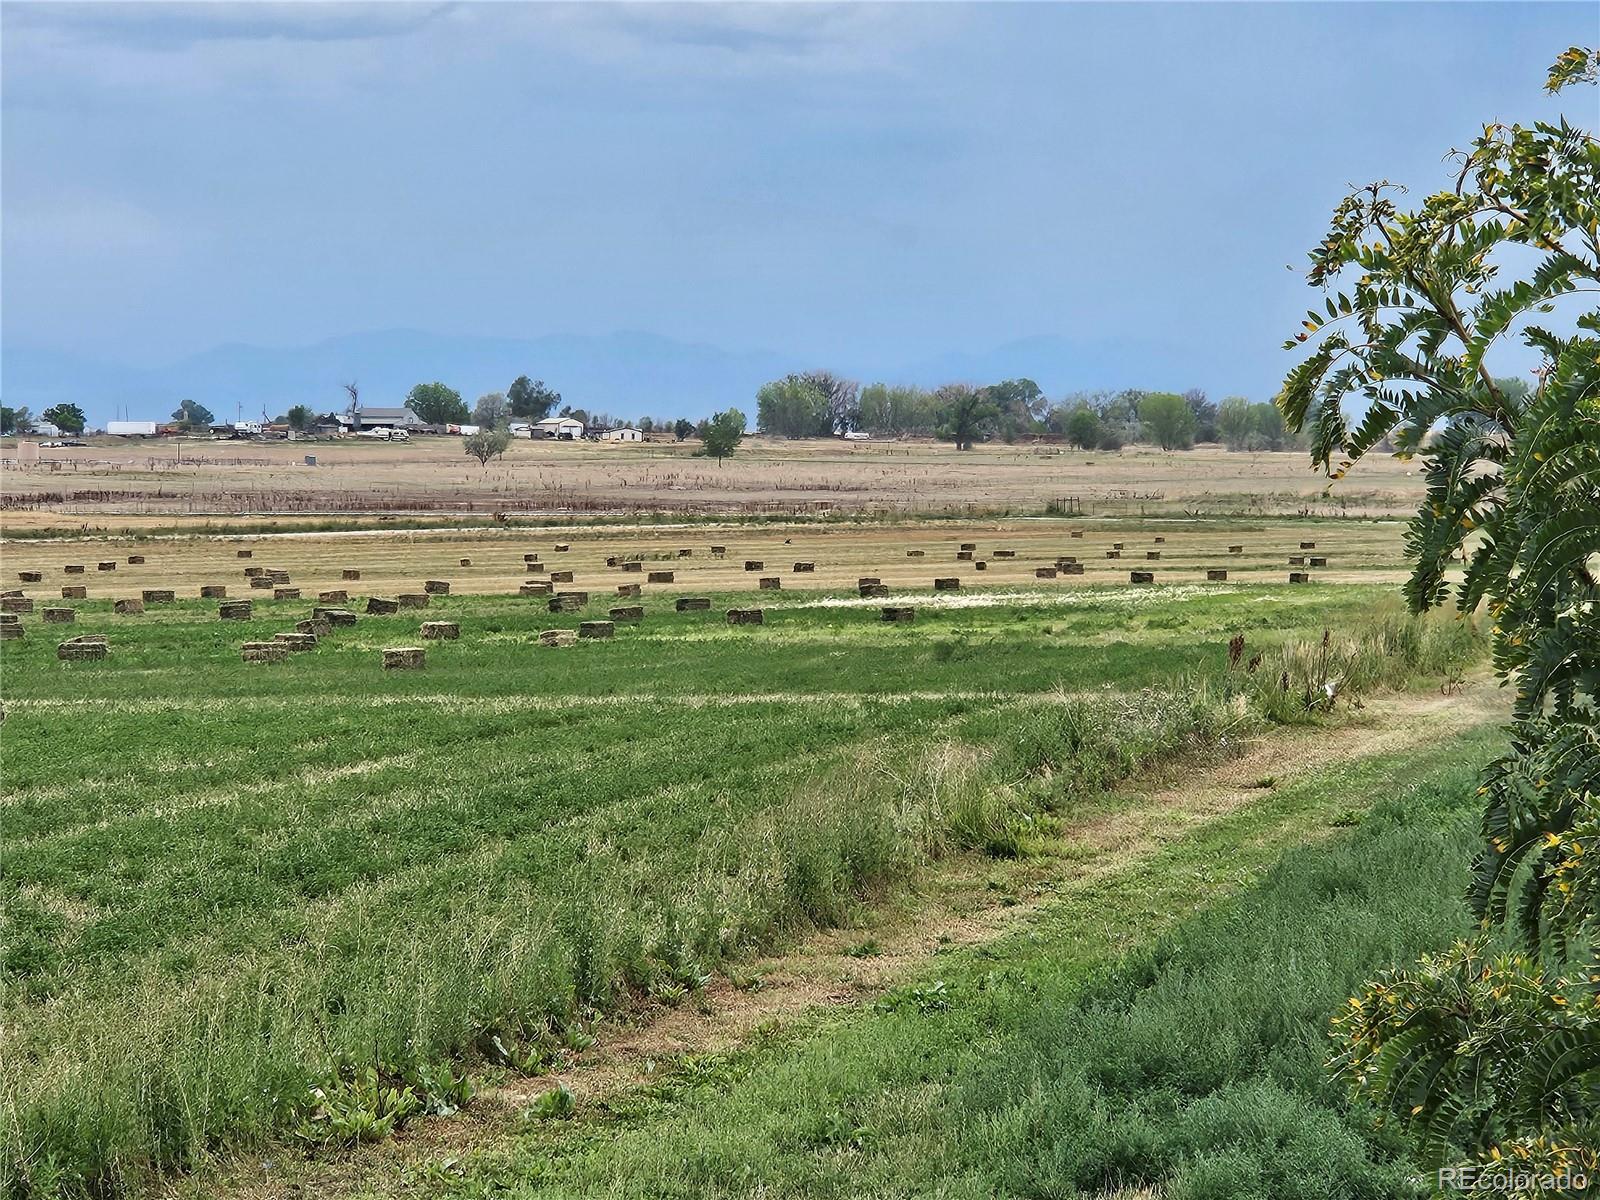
(966, 414)
(795, 406)
(487, 443)
(492, 410)
(300, 418)
(722, 434)
(1234, 423)
(682, 428)
(530, 400)
(436, 404)
(1167, 420)
(1489, 1051)
(1267, 430)
(1083, 428)
(68, 418)
(896, 409)
(1205, 415)
(192, 413)
(1019, 407)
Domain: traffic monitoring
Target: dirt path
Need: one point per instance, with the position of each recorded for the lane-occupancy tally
(961, 903)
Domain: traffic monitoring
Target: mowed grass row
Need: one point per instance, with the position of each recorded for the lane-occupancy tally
(223, 880)
(1189, 1068)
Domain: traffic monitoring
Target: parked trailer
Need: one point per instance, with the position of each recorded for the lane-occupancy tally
(131, 428)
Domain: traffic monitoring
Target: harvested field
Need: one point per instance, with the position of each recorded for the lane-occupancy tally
(502, 766)
(123, 487)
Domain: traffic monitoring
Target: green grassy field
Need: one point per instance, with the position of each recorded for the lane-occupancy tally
(225, 881)
(1191, 1068)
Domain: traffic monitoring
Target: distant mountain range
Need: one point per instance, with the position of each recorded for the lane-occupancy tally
(626, 374)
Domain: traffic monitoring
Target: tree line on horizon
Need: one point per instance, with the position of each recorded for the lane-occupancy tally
(822, 404)
(814, 404)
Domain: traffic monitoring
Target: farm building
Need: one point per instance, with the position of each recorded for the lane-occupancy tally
(622, 435)
(381, 418)
(567, 429)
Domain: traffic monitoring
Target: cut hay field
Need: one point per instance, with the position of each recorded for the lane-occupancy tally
(229, 884)
(113, 484)
(400, 561)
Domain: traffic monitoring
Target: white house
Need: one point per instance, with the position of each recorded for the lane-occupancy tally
(567, 429)
(622, 435)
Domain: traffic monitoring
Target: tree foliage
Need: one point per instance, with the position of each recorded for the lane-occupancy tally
(1491, 1049)
(1019, 406)
(489, 442)
(530, 400)
(1167, 420)
(436, 404)
(191, 413)
(300, 418)
(897, 409)
(68, 418)
(967, 415)
(1234, 423)
(722, 434)
(796, 406)
(1083, 428)
(492, 410)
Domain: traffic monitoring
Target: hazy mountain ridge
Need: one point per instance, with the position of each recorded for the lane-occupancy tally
(629, 374)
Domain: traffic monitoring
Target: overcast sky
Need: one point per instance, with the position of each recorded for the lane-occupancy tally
(862, 182)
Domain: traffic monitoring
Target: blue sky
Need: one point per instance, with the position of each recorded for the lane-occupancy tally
(847, 184)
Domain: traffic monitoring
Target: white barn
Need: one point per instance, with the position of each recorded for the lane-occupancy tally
(628, 434)
(568, 429)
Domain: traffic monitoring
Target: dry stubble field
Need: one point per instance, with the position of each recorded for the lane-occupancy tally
(113, 483)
